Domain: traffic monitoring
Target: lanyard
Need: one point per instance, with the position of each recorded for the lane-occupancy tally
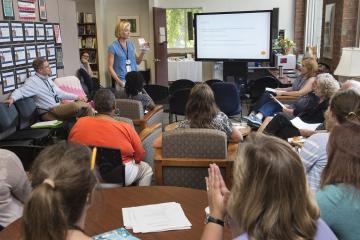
(127, 50)
(50, 88)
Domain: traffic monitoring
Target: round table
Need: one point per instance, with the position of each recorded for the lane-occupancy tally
(105, 212)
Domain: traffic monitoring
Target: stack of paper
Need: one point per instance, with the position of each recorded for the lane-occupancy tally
(155, 218)
(299, 124)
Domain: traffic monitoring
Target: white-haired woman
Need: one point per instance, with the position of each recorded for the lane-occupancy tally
(324, 87)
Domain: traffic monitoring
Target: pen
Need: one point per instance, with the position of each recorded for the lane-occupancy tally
(93, 158)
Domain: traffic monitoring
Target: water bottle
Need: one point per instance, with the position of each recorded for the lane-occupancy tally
(281, 73)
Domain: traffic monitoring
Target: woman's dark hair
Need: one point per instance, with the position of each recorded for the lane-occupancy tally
(104, 101)
(343, 156)
(134, 83)
(62, 183)
(345, 105)
(201, 107)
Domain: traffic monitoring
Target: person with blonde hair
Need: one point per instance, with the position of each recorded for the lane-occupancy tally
(63, 184)
(339, 194)
(324, 88)
(122, 56)
(269, 198)
(301, 87)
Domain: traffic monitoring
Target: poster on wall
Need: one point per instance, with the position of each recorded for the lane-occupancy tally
(41, 51)
(53, 71)
(8, 81)
(29, 32)
(17, 32)
(49, 32)
(30, 71)
(6, 58)
(19, 55)
(59, 58)
(57, 33)
(5, 32)
(40, 31)
(20, 76)
(50, 51)
(42, 10)
(8, 9)
(30, 53)
(27, 10)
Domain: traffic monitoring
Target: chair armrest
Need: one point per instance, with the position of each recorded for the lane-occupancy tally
(150, 114)
(148, 130)
(288, 98)
(232, 151)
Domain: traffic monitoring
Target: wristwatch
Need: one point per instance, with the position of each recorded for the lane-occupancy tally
(214, 220)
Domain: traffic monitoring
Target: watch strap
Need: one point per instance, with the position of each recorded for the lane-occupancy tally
(215, 220)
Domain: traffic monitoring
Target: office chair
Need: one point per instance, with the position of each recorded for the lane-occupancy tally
(177, 103)
(180, 84)
(227, 98)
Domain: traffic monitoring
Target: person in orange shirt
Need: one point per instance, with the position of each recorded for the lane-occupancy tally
(104, 131)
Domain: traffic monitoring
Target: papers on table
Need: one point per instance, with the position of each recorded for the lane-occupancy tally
(299, 124)
(155, 218)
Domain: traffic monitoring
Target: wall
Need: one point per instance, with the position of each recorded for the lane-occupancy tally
(63, 12)
(286, 13)
(106, 17)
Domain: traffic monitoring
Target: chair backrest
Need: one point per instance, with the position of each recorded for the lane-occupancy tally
(180, 84)
(70, 84)
(26, 153)
(110, 165)
(227, 98)
(124, 119)
(148, 136)
(212, 81)
(157, 93)
(257, 87)
(28, 115)
(8, 120)
(178, 100)
(194, 143)
(129, 108)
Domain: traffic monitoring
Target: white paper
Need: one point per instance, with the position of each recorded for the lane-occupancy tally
(17, 32)
(41, 51)
(155, 218)
(19, 55)
(46, 123)
(4, 32)
(21, 75)
(6, 58)
(8, 81)
(40, 32)
(29, 31)
(30, 53)
(299, 124)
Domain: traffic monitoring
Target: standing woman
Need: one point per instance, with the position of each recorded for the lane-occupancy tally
(122, 56)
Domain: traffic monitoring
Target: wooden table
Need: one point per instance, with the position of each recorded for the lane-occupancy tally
(105, 213)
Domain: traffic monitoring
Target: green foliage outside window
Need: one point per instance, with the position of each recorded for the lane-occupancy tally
(176, 27)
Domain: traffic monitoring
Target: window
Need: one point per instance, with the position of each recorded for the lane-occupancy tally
(177, 27)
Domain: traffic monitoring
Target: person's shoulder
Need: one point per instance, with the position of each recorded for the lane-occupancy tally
(334, 193)
(321, 136)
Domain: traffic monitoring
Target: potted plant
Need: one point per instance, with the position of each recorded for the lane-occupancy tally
(283, 45)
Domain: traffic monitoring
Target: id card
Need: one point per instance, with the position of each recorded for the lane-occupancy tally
(128, 68)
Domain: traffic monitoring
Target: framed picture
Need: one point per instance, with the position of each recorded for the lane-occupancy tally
(8, 81)
(30, 53)
(20, 76)
(53, 71)
(19, 55)
(29, 32)
(57, 33)
(59, 58)
(30, 71)
(5, 36)
(6, 57)
(8, 9)
(42, 10)
(40, 31)
(41, 51)
(17, 32)
(134, 24)
(49, 32)
(50, 51)
(329, 30)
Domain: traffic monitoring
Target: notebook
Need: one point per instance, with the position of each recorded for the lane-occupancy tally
(47, 124)
(117, 234)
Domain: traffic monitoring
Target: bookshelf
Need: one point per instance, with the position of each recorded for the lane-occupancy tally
(87, 38)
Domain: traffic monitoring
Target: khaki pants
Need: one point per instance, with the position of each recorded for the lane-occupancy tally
(66, 111)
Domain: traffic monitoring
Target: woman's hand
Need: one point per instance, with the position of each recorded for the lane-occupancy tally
(217, 192)
(288, 110)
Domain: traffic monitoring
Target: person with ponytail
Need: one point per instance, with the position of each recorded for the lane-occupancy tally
(62, 187)
(339, 195)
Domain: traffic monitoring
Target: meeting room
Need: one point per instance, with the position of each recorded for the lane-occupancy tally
(179, 119)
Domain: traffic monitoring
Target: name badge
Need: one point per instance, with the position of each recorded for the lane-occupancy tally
(128, 68)
(128, 62)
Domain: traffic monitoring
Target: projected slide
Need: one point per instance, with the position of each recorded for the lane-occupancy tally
(243, 35)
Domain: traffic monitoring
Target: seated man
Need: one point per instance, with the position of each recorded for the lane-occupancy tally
(47, 95)
(104, 131)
